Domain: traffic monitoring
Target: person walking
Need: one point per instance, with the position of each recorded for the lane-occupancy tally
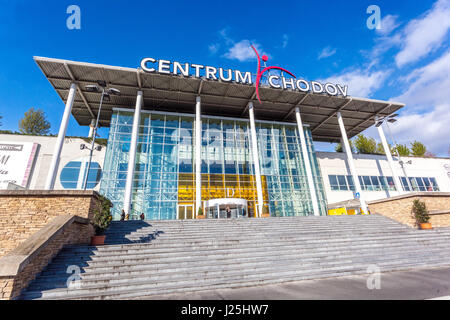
(142, 216)
(228, 212)
(122, 215)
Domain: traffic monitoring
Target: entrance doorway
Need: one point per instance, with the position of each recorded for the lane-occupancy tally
(217, 208)
(185, 211)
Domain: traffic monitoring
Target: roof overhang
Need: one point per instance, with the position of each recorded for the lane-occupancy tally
(175, 93)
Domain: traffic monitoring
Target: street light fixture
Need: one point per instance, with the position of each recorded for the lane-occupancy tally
(106, 93)
(391, 119)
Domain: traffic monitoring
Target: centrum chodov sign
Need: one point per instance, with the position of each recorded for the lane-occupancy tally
(278, 81)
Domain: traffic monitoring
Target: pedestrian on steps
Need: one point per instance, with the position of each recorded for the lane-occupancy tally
(122, 215)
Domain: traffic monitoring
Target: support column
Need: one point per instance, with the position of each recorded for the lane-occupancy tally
(50, 182)
(198, 156)
(132, 153)
(387, 151)
(351, 163)
(342, 146)
(309, 175)
(256, 159)
(91, 128)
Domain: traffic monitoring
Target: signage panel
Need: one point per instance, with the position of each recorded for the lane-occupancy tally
(16, 161)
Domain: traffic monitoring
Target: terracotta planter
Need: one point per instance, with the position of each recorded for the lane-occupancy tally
(201, 217)
(265, 215)
(425, 226)
(97, 240)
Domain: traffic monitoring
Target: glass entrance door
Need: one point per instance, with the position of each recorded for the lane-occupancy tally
(185, 211)
(226, 208)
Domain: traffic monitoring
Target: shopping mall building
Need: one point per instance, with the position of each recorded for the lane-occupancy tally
(186, 136)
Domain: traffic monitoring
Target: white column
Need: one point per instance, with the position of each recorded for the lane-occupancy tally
(198, 156)
(132, 153)
(50, 182)
(351, 163)
(309, 175)
(342, 146)
(91, 128)
(387, 151)
(256, 159)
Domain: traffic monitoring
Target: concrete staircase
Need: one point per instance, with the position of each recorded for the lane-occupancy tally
(144, 258)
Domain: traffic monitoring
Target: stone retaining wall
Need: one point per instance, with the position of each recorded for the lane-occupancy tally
(24, 212)
(21, 265)
(399, 208)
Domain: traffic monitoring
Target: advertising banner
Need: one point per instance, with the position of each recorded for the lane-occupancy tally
(16, 161)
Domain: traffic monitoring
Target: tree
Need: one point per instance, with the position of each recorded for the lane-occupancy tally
(365, 145)
(0, 121)
(418, 149)
(402, 150)
(338, 147)
(34, 122)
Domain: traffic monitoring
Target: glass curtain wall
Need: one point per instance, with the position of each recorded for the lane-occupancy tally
(164, 180)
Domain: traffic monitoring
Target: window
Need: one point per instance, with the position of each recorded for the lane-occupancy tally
(434, 184)
(391, 184)
(405, 184)
(350, 183)
(74, 173)
(368, 183)
(375, 183)
(342, 183)
(420, 184)
(333, 182)
(379, 183)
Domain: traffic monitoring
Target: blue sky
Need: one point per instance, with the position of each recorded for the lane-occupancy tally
(408, 60)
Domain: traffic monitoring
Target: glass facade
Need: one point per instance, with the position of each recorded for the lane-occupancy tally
(164, 179)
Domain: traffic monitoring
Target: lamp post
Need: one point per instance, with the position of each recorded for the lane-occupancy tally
(106, 93)
(391, 119)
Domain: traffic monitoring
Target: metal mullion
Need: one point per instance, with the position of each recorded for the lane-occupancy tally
(277, 173)
(288, 164)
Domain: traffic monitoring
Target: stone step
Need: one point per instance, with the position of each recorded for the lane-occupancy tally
(254, 236)
(128, 251)
(176, 263)
(290, 228)
(204, 243)
(145, 258)
(210, 265)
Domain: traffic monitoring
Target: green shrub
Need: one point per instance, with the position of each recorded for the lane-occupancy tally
(200, 211)
(102, 215)
(420, 212)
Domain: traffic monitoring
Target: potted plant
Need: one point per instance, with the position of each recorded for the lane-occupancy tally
(265, 212)
(421, 215)
(200, 214)
(102, 219)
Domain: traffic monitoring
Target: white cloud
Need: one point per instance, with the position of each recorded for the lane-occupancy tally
(426, 117)
(243, 51)
(424, 35)
(214, 47)
(388, 24)
(428, 86)
(326, 52)
(431, 128)
(361, 83)
(285, 41)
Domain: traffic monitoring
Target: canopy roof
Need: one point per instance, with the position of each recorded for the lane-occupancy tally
(174, 93)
